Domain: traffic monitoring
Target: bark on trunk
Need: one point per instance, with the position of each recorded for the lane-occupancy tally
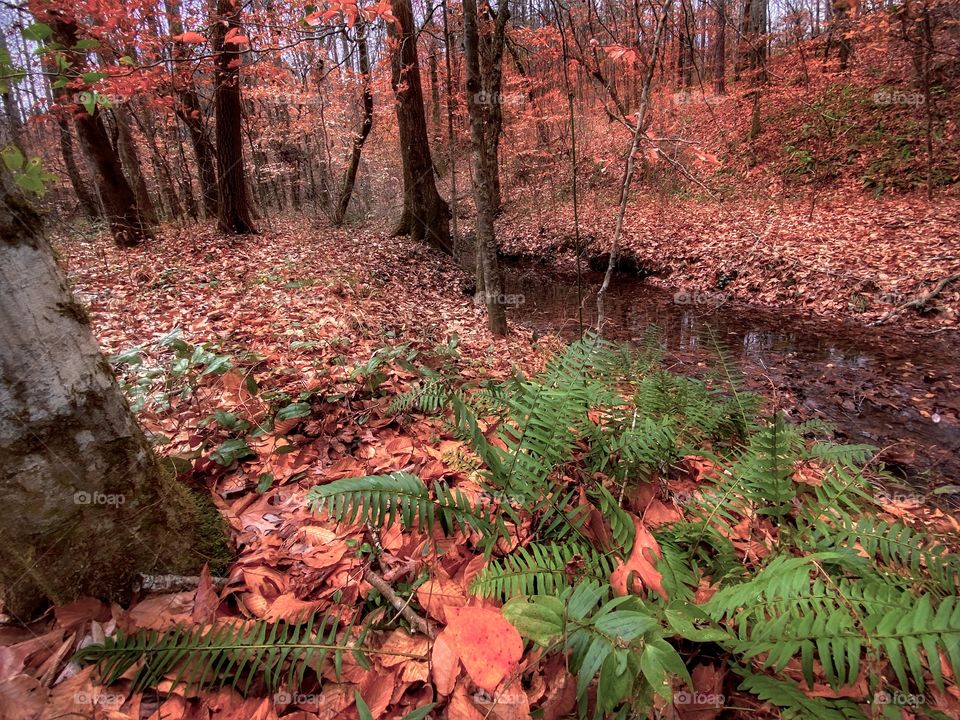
(426, 215)
(350, 177)
(119, 202)
(88, 200)
(131, 162)
(85, 504)
(478, 108)
(720, 49)
(235, 214)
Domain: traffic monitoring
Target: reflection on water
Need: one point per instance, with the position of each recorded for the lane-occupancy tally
(870, 391)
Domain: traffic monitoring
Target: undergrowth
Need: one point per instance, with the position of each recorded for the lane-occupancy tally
(779, 562)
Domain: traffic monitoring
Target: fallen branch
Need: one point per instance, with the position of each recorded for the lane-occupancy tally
(919, 303)
(402, 606)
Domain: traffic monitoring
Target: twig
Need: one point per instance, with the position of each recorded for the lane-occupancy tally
(921, 302)
(402, 606)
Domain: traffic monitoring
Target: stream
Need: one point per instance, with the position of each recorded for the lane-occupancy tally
(879, 386)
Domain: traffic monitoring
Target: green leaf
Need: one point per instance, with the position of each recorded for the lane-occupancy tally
(420, 713)
(92, 77)
(37, 32)
(88, 44)
(294, 410)
(234, 449)
(12, 158)
(538, 617)
(362, 710)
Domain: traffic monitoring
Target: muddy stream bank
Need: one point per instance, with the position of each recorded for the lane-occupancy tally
(882, 386)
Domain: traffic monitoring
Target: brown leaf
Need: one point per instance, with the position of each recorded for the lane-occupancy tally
(446, 664)
(640, 566)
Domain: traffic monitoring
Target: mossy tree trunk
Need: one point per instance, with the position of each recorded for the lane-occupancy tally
(85, 503)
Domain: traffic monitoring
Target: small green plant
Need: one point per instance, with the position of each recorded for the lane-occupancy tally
(177, 371)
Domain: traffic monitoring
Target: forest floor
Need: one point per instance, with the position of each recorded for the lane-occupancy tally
(842, 256)
(301, 311)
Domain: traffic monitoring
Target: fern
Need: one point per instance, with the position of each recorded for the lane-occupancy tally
(382, 500)
(232, 654)
(796, 704)
(794, 608)
(911, 556)
(542, 569)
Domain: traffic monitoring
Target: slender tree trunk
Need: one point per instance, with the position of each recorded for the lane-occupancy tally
(638, 134)
(161, 167)
(479, 107)
(85, 503)
(350, 177)
(720, 49)
(190, 113)
(235, 215)
(491, 69)
(426, 215)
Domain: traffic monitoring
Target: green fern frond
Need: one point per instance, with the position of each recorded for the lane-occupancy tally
(794, 702)
(382, 500)
(542, 569)
(918, 558)
(233, 654)
(795, 608)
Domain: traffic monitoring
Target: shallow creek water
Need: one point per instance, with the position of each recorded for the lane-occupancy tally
(874, 385)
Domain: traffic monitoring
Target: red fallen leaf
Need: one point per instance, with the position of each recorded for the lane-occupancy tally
(376, 689)
(488, 645)
(191, 38)
(640, 564)
(446, 664)
(207, 599)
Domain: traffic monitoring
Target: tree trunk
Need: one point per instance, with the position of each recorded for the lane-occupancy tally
(350, 177)
(491, 70)
(88, 200)
(720, 49)
(189, 111)
(478, 108)
(131, 163)
(86, 505)
(426, 215)
(119, 202)
(235, 214)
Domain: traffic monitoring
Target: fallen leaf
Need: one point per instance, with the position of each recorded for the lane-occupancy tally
(488, 645)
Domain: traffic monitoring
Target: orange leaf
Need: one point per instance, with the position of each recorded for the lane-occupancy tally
(191, 38)
(488, 645)
(446, 664)
(640, 565)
